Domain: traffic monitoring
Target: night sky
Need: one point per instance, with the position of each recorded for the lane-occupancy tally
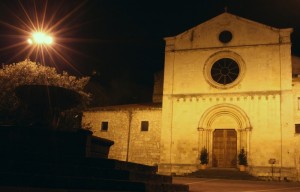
(120, 43)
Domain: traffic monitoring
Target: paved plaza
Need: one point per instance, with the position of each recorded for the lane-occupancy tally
(219, 185)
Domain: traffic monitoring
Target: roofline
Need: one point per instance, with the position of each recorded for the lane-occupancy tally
(127, 107)
(238, 17)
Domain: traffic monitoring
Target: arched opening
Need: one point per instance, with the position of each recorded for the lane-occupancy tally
(224, 129)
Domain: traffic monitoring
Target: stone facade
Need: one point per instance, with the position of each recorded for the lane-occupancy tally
(227, 85)
(255, 104)
(124, 128)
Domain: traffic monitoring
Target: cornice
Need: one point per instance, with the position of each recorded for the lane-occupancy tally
(225, 97)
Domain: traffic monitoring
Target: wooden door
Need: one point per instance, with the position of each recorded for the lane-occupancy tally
(224, 148)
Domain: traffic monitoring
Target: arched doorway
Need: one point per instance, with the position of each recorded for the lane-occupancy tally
(224, 130)
(224, 151)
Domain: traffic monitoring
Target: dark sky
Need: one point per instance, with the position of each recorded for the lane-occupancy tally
(121, 41)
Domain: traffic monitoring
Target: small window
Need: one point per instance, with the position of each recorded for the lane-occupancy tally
(297, 128)
(144, 126)
(298, 103)
(104, 126)
(225, 36)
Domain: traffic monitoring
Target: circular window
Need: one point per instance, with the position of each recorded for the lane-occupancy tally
(225, 36)
(224, 71)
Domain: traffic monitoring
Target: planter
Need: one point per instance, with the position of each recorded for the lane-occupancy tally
(99, 147)
(242, 168)
(203, 166)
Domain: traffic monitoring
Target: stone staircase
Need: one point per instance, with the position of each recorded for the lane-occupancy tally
(45, 160)
(228, 173)
(87, 174)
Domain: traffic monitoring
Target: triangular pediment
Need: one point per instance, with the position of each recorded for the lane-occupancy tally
(243, 31)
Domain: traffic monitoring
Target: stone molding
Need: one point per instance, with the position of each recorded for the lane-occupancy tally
(222, 47)
(213, 112)
(225, 97)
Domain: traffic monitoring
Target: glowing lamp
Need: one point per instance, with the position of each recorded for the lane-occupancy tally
(40, 38)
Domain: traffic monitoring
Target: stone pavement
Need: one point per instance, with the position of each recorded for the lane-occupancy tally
(229, 185)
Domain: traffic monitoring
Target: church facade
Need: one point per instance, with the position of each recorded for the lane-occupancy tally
(228, 84)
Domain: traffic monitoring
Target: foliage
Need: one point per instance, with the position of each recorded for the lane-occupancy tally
(242, 157)
(31, 73)
(204, 156)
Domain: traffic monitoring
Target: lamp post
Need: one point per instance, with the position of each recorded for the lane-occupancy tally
(40, 41)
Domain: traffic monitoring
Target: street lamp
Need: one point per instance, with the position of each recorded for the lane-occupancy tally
(40, 38)
(40, 44)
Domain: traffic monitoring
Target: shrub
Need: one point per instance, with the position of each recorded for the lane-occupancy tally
(204, 156)
(242, 157)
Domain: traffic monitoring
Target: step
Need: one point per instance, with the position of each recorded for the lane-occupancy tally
(87, 162)
(150, 178)
(82, 170)
(135, 167)
(67, 170)
(162, 188)
(167, 188)
(122, 165)
(63, 182)
(223, 174)
(12, 180)
(34, 189)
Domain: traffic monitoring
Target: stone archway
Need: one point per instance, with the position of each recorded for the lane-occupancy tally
(224, 129)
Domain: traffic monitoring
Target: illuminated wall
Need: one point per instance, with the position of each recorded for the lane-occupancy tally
(124, 128)
(228, 75)
(204, 92)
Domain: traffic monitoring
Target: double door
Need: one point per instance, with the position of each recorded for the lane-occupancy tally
(224, 154)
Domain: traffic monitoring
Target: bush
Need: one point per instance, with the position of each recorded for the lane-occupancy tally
(242, 157)
(204, 156)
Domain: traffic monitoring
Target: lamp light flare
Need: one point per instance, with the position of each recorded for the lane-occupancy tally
(40, 38)
(29, 41)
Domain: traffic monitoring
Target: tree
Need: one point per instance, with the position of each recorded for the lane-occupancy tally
(31, 73)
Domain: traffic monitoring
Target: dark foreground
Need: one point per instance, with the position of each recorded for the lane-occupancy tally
(40, 159)
(213, 185)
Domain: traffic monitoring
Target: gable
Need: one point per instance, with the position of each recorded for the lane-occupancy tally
(244, 32)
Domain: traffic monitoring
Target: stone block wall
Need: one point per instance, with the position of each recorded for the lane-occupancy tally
(144, 145)
(117, 129)
(124, 128)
